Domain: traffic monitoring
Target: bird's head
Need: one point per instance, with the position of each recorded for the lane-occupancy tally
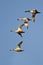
(27, 11)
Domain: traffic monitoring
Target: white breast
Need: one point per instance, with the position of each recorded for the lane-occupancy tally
(26, 24)
(18, 48)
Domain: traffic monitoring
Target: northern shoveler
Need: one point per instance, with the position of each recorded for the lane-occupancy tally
(25, 21)
(34, 12)
(18, 48)
(19, 30)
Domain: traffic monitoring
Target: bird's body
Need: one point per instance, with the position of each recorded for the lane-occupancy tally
(19, 30)
(25, 21)
(18, 48)
(34, 12)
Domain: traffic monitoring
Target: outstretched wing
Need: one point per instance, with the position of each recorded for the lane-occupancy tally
(20, 26)
(20, 34)
(33, 17)
(19, 44)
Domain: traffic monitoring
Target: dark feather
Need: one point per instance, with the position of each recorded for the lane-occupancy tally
(19, 44)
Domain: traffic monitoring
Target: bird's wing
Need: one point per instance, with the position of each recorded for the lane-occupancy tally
(19, 44)
(20, 26)
(33, 17)
(20, 34)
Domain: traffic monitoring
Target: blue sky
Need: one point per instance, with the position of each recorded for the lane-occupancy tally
(10, 10)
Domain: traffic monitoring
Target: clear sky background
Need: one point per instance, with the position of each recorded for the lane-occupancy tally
(10, 10)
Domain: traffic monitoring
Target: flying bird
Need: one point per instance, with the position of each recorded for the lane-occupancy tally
(19, 30)
(25, 21)
(34, 12)
(18, 48)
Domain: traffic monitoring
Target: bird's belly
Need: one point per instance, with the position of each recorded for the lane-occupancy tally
(19, 50)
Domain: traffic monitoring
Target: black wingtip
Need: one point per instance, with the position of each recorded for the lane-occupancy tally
(21, 42)
(39, 12)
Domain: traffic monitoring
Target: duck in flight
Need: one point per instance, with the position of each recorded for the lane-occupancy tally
(18, 48)
(34, 12)
(19, 30)
(25, 21)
